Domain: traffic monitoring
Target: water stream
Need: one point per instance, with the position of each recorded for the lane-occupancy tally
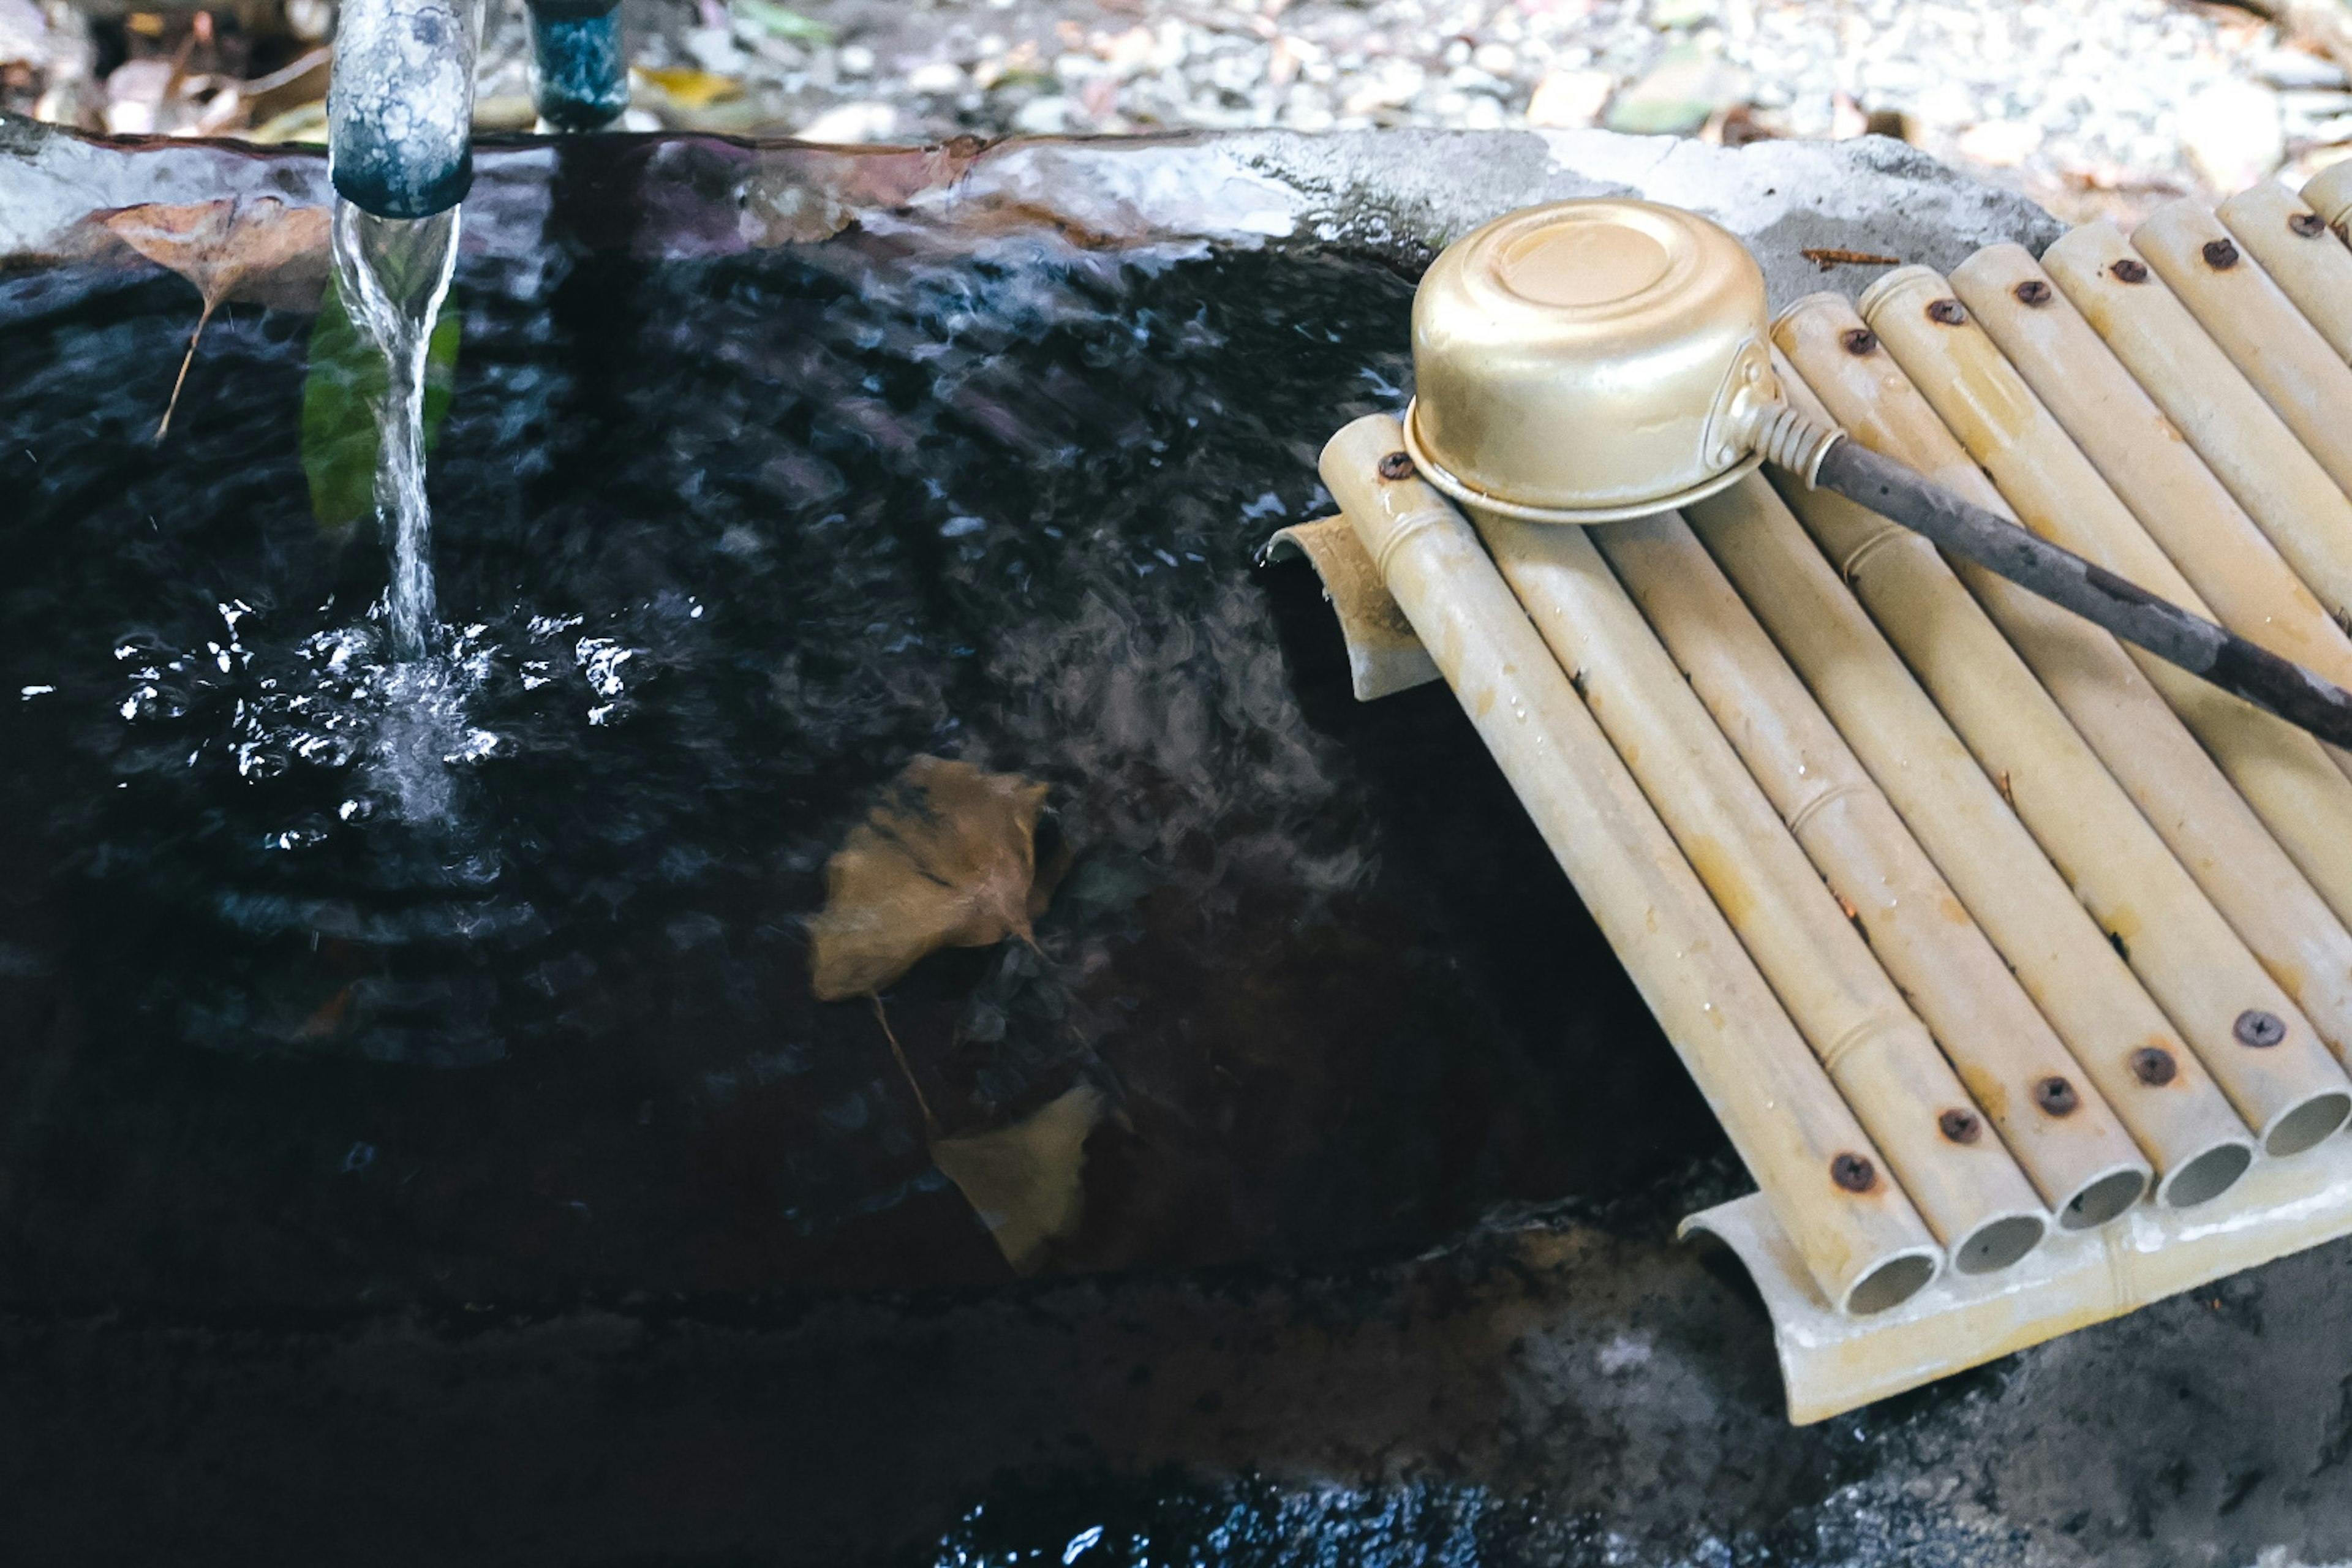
(393, 275)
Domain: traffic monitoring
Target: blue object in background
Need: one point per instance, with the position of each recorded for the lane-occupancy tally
(580, 78)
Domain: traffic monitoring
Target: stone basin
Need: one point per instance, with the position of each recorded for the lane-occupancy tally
(1405, 1289)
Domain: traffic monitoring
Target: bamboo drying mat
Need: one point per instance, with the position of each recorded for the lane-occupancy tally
(2177, 407)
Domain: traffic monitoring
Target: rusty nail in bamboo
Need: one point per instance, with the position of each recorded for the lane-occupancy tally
(1854, 1173)
(2153, 1066)
(2032, 292)
(2056, 1096)
(2220, 255)
(2310, 225)
(1946, 312)
(1960, 1126)
(2258, 1028)
(1396, 466)
(2130, 270)
(1859, 341)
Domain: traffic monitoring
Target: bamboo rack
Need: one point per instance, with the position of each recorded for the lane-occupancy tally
(2292, 242)
(2018, 968)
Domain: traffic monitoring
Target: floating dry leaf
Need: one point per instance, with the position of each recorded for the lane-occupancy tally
(1022, 1180)
(949, 858)
(215, 246)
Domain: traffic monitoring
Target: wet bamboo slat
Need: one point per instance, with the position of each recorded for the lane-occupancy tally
(1863, 1245)
(2304, 259)
(2214, 408)
(2124, 1043)
(2235, 299)
(2016, 676)
(2199, 525)
(2056, 1123)
(1882, 1059)
(2289, 779)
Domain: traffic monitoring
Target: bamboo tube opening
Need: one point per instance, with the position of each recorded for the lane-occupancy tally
(2103, 1199)
(1890, 1285)
(2306, 1125)
(2329, 192)
(2206, 1177)
(1993, 1246)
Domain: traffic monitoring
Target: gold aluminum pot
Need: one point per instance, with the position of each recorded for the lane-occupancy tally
(1592, 360)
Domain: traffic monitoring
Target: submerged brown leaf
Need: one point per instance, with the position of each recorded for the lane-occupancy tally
(949, 858)
(215, 246)
(1022, 1180)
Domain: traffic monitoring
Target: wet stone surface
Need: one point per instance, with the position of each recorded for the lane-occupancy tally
(453, 1165)
(722, 546)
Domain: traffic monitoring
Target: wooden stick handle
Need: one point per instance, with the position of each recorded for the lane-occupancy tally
(2092, 592)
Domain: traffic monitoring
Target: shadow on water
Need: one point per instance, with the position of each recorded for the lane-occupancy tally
(720, 545)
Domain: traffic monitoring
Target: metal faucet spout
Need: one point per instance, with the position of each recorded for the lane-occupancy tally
(400, 111)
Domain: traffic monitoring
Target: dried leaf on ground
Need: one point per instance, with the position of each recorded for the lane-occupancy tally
(215, 246)
(690, 89)
(949, 858)
(1023, 1180)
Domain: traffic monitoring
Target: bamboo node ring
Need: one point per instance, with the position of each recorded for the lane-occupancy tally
(1828, 797)
(1854, 1173)
(1851, 567)
(2258, 1028)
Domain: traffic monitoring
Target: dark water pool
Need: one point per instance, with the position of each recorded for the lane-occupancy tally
(721, 546)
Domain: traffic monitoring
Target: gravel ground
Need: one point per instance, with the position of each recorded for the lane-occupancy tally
(2085, 104)
(2089, 106)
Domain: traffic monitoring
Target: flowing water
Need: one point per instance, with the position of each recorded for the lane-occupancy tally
(393, 275)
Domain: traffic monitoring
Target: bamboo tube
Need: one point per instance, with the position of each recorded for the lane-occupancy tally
(2293, 244)
(2082, 1162)
(2126, 1046)
(2215, 408)
(2257, 326)
(2181, 949)
(2233, 566)
(2329, 192)
(2217, 548)
(2287, 777)
(1881, 1057)
(1866, 1250)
